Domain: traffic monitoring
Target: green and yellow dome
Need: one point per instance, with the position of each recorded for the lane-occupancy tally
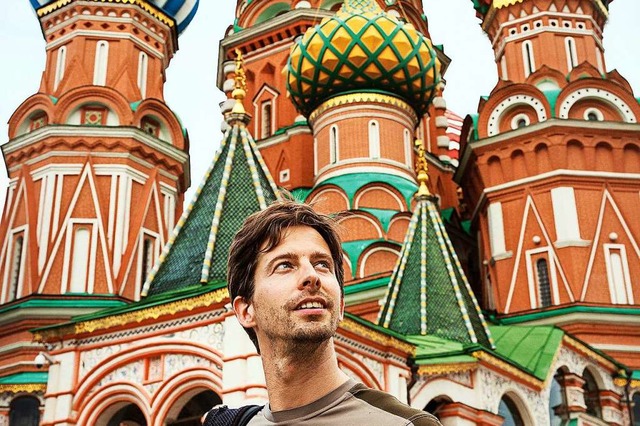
(362, 49)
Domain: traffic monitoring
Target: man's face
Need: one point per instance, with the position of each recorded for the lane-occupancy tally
(297, 297)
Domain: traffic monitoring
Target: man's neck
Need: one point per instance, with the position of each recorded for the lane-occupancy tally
(298, 376)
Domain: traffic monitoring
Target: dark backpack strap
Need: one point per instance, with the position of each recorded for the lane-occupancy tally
(245, 414)
(225, 416)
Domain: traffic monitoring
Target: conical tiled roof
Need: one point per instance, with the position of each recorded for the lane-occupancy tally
(428, 293)
(236, 185)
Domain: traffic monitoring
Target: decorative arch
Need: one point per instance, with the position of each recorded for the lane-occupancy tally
(543, 159)
(514, 403)
(577, 94)
(496, 174)
(380, 196)
(169, 123)
(169, 399)
(329, 199)
(497, 115)
(93, 95)
(604, 157)
(37, 102)
(107, 400)
(398, 227)
(362, 226)
(272, 11)
(518, 165)
(377, 258)
(575, 155)
(631, 156)
(346, 360)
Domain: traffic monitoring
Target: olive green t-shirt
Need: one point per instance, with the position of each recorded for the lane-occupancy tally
(350, 404)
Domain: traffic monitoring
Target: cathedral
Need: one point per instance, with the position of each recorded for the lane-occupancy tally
(491, 257)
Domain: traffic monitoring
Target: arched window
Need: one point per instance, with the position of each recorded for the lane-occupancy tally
(80, 260)
(544, 287)
(16, 268)
(374, 139)
(143, 66)
(618, 274)
(333, 144)
(572, 54)
(527, 54)
(61, 61)
(408, 148)
(636, 409)
(101, 62)
(591, 394)
(509, 412)
(266, 118)
(557, 404)
(24, 411)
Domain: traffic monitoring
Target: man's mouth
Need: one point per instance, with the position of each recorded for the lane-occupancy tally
(311, 305)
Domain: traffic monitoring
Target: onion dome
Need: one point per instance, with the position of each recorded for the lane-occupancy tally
(362, 48)
(181, 11)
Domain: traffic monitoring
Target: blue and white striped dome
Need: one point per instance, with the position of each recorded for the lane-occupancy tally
(182, 11)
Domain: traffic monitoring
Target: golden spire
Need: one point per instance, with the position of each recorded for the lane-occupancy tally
(240, 90)
(422, 169)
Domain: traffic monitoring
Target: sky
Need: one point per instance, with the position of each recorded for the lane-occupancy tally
(191, 91)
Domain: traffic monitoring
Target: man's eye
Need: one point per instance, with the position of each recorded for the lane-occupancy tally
(323, 264)
(283, 266)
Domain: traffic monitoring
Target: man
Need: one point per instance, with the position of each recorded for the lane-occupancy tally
(285, 278)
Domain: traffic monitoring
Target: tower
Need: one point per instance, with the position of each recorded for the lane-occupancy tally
(556, 144)
(98, 165)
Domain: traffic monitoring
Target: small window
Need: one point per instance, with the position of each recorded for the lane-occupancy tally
(544, 286)
(333, 145)
(80, 260)
(593, 114)
(24, 411)
(101, 63)
(571, 52)
(374, 140)
(529, 62)
(93, 116)
(509, 412)
(566, 24)
(143, 66)
(150, 126)
(284, 175)
(512, 31)
(553, 22)
(408, 148)
(266, 120)
(61, 62)
(38, 121)
(519, 121)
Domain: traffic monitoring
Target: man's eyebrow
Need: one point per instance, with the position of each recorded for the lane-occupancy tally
(282, 256)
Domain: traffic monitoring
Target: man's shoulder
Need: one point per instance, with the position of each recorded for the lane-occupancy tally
(390, 404)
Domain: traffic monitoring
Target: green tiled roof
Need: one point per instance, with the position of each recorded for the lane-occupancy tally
(351, 183)
(428, 293)
(531, 347)
(552, 97)
(236, 185)
(366, 285)
(25, 378)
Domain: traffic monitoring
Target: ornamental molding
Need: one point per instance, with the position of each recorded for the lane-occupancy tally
(24, 388)
(354, 98)
(503, 366)
(587, 352)
(128, 318)
(376, 336)
(493, 125)
(156, 13)
(449, 368)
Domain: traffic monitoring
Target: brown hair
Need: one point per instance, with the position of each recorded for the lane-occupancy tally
(262, 231)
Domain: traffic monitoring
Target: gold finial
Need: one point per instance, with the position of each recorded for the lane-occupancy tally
(422, 169)
(240, 90)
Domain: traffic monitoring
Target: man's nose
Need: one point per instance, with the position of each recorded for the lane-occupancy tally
(310, 277)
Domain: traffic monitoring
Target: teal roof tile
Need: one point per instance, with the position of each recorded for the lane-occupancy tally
(237, 184)
(25, 378)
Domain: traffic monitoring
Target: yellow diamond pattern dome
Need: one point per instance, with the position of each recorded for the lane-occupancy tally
(359, 49)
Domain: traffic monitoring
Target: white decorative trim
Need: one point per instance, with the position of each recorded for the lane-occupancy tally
(101, 63)
(595, 93)
(493, 125)
(367, 168)
(363, 263)
(61, 64)
(528, 57)
(356, 201)
(596, 111)
(515, 121)
(327, 190)
(565, 214)
(496, 229)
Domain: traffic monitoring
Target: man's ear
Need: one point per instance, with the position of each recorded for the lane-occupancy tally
(244, 312)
